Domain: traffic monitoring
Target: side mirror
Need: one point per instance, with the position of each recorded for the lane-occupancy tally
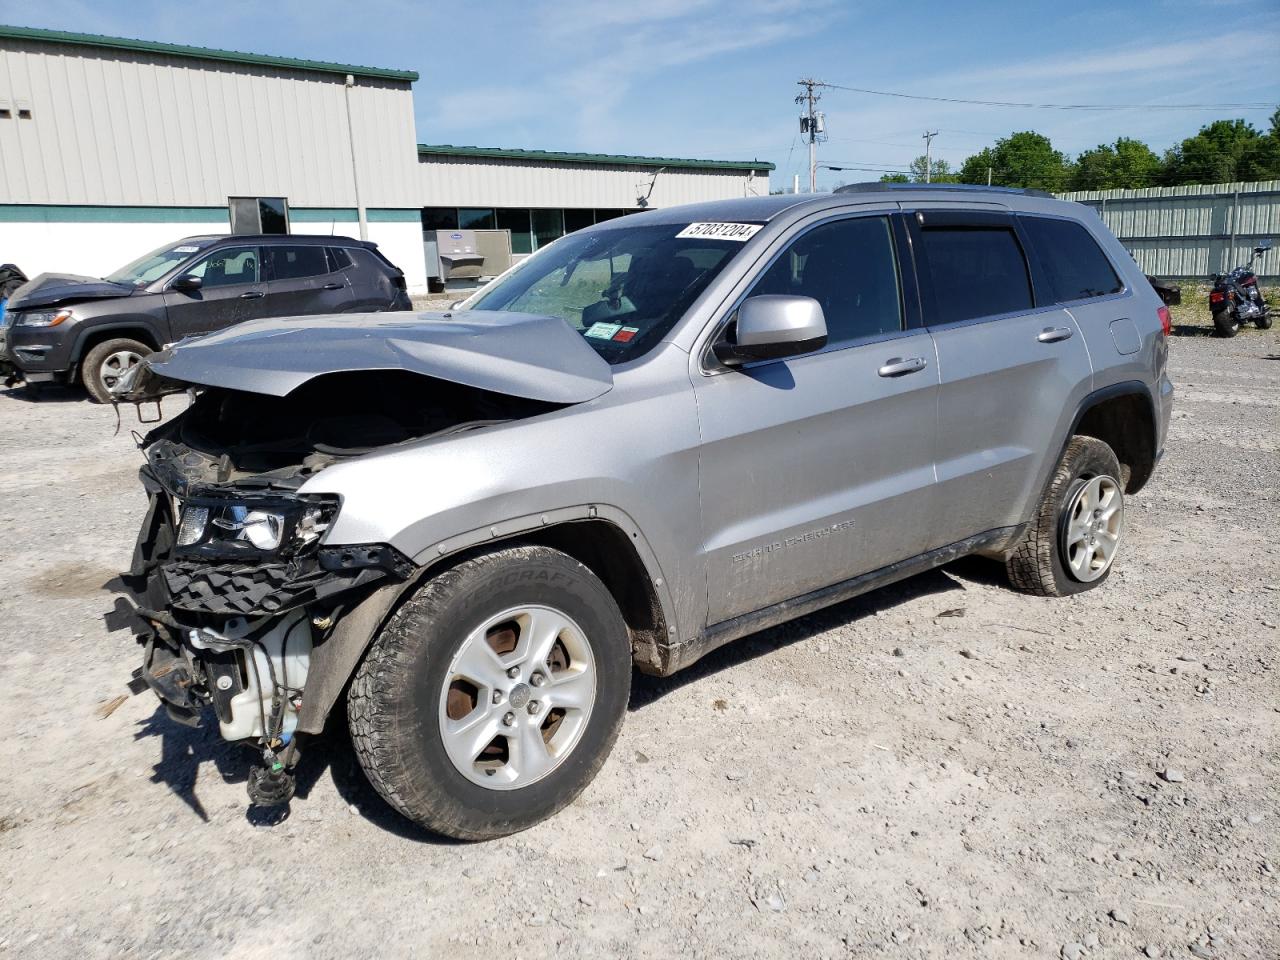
(187, 283)
(772, 326)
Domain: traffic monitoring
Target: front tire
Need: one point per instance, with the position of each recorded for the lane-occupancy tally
(107, 362)
(1264, 321)
(494, 695)
(1071, 544)
(1226, 323)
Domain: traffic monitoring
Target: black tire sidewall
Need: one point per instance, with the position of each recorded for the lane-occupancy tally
(1089, 461)
(91, 366)
(474, 594)
(1225, 323)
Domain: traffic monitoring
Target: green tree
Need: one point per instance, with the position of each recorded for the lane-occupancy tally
(974, 169)
(941, 171)
(894, 178)
(1223, 151)
(1124, 164)
(1023, 159)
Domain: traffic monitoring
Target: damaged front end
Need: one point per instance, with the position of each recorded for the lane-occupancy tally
(231, 574)
(246, 608)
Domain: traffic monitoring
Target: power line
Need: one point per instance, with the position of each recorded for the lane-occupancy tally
(1059, 106)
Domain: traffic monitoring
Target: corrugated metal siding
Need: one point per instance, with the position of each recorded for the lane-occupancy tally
(112, 127)
(1192, 231)
(483, 182)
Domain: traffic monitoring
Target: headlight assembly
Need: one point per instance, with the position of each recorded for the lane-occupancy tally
(255, 527)
(45, 318)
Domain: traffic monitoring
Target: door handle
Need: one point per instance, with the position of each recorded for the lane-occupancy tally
(252, 295)
(332, 286)
(898, 367)
(1054, 334)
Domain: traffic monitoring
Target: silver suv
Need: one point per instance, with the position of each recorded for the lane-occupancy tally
(655, 436)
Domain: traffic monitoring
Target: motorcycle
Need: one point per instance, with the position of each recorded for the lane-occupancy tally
(1236, 299)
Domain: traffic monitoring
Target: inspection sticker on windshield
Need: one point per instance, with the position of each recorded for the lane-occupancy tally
(602, 331)
(741, 232)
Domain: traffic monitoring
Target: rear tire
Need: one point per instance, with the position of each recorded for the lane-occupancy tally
(1052, 559)
(1263, 322)
(105, 363)
(461, 721)
(1226, 323)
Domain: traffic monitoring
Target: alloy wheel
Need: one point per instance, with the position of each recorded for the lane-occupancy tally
(517, 697)
(1091, 529)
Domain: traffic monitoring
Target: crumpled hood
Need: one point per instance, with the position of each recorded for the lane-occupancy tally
(523, 355)
(54, 288)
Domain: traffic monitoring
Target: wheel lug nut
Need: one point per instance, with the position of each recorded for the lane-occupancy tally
(533, 706)
(497, 696)
(508, 719)
(537, 679)
(513, 672)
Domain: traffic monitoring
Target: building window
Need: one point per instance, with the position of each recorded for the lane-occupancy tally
(577, 219)
(548, 226)
(517, 221)
(476, 219)
(439, 218)
(258, 214)
(603, 215)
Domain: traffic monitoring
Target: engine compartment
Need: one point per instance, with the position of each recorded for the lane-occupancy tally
(258, 441)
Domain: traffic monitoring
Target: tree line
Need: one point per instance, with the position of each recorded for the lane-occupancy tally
(1222, 152)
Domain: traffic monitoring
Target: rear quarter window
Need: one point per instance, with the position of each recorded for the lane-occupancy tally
(1071, 258)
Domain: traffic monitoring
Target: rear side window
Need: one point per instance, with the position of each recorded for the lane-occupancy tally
(1074, 262)
(849, 267)
(975, 272)
(291, 263)
(339, 259)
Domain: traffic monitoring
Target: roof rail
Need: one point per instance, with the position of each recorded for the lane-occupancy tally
(881, 187)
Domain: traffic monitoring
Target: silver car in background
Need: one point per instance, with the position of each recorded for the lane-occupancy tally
(652, 437)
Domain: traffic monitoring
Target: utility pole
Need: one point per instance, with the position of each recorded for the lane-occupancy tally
(812, 124)
(928, 162)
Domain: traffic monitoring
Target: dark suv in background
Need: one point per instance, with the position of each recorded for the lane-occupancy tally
(61, 327)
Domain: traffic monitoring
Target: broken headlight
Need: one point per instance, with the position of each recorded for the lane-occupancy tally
(252, 527)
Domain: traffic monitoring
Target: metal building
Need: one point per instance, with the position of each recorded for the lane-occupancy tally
(1190, 232)
(110, 147)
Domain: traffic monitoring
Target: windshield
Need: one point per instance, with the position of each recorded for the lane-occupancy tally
(154, 265)
(623, 288)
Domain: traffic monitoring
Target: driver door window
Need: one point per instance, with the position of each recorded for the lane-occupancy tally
(849, 267)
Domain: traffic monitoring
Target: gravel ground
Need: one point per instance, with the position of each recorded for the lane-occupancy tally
(941, 768)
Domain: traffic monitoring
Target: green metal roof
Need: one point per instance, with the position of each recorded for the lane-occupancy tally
(199, 53)
(609, 159)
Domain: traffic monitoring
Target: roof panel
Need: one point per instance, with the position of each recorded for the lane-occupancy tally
(200, 53)
(556, 156)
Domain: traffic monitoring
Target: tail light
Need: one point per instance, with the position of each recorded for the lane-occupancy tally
(1166, 320)
(1217, 296)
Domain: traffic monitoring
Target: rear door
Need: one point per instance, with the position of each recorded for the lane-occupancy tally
(232, 290)
(817, 468)
(1012, 368)
(302, 280)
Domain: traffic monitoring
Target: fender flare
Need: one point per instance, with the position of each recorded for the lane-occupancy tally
(92, 330)
(335, 659)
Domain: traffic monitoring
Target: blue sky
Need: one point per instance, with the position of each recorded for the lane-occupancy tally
(716, 78)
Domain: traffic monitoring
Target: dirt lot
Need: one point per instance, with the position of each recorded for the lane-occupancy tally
(1094, 777)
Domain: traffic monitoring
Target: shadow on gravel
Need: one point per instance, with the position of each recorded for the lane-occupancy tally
(46, 393)
(1190, 330)
(184, 750)
(646, 690)
(332, 751)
